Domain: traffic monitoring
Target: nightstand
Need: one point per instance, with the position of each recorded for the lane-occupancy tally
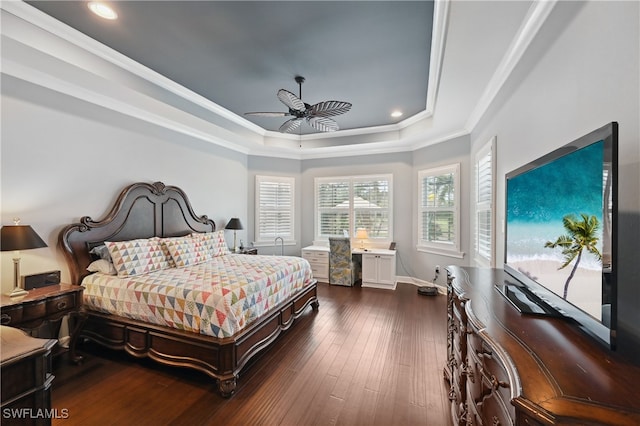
(25, 364)
(248, 251)
(40, 313)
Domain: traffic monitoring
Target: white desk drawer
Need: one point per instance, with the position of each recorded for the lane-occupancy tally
(316, 256)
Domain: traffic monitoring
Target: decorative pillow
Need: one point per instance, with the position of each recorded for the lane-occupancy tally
(165, 249)
(184, 251)
(103, 266)
(137, 257)
(213, 243)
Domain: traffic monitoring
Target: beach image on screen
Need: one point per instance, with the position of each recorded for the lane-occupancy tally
(537, 202)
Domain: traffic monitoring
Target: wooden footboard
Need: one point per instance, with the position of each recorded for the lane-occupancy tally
(221, 359)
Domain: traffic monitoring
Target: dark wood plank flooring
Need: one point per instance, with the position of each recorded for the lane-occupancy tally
(367, 357)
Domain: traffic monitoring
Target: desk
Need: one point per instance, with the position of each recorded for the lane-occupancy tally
(378, 265)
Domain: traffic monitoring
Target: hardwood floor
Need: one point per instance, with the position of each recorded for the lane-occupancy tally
(367, 357)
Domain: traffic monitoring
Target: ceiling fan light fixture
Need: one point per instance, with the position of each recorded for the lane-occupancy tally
(317, 115)
(102, 10)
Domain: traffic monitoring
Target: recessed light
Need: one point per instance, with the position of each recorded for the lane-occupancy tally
(396, 114)
(102, 10)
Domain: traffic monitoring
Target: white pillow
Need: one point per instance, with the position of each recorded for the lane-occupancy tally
(103, 266)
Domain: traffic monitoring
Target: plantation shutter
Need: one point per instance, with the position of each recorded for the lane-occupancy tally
(484, 178)
(275, 208)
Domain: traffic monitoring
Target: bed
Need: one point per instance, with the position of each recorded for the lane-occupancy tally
(220, 345)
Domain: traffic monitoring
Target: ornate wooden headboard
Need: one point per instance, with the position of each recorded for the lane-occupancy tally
(142, 210)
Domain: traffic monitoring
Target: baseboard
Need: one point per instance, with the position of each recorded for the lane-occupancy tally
(420, 283)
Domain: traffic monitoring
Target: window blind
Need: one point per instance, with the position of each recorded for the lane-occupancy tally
(275, 208)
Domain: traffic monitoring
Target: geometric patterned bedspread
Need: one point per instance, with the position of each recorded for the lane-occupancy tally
(217, 298)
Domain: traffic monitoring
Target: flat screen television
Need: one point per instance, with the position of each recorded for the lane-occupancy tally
(560, 234)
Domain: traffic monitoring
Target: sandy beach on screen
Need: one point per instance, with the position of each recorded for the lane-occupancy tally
(585, 288)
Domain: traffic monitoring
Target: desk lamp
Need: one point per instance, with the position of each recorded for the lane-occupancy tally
(18, 237)
(234, 224)
(361, 234)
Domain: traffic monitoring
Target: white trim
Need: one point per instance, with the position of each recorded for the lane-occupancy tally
(451, 248)
(538, 13)
(421, 283)
(438, 37)
(440, 251)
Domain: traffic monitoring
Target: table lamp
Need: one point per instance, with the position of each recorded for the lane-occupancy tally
(361, 234)
(15, 238)
(234, 224)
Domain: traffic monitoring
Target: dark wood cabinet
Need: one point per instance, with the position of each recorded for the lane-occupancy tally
(505, 368)
(25, 364)
(41, 311)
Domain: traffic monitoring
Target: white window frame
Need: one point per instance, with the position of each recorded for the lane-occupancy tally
(483, 257)
(449, 248)
(350, 181)
(289, 234)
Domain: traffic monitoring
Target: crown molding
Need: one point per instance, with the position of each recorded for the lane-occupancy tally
(389, 138)
(438, 38)
(537, 14)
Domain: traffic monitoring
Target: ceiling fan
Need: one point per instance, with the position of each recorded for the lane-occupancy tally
(317, 115)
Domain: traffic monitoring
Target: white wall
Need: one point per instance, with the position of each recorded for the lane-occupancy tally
(580, 73)
(63, 159)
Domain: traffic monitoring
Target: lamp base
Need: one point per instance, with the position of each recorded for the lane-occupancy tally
(17, 292)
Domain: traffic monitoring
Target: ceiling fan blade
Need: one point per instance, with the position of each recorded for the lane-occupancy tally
(330, 108)
(290, 125)
(268, 114)
(323, 124)
(291, 100)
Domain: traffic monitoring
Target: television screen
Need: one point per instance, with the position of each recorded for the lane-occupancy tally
(560, 217)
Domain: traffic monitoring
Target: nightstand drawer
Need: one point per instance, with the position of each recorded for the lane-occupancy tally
(11, 316)
(34, 311)
(61, 303)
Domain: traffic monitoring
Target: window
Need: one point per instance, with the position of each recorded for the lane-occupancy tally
(344, 204)
(484, 235)
(439, 216)
(275, 209)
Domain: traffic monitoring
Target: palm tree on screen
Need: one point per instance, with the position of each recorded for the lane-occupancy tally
(581, 235)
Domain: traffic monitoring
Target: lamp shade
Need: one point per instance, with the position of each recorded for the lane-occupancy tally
(19, 237)
(361, 234)
(234, 223)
